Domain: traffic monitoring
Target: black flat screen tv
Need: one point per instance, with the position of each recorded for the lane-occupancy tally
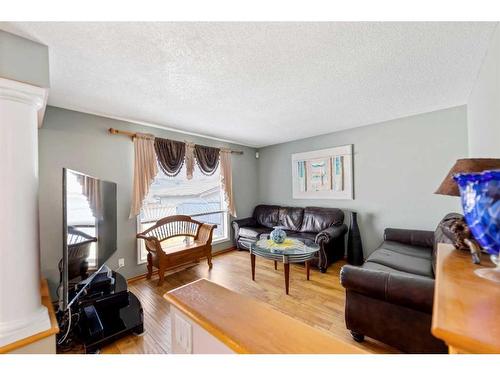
(89, 232)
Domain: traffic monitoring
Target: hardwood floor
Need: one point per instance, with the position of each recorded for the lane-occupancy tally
(318, 302)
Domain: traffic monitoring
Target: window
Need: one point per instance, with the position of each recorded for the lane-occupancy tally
(201, 198)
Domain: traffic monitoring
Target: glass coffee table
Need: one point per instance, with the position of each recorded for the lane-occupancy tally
(292, 250)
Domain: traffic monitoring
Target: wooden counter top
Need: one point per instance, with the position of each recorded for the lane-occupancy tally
(246, 325)
(466, 307)
(54, 327)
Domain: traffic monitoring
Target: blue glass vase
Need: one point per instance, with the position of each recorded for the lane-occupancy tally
(278, 235)
(480, 196)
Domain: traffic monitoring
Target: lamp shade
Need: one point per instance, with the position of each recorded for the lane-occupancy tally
(450, 187)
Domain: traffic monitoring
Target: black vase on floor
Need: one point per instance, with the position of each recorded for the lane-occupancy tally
(354, 245)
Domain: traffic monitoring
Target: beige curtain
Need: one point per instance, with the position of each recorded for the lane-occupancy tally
(145, 170)
(227, 180)
(189, 160)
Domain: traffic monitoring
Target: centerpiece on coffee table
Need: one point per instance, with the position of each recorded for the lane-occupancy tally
(278, 235)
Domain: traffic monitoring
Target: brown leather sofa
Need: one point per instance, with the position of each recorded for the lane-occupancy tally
(390, 297)
(323, 225)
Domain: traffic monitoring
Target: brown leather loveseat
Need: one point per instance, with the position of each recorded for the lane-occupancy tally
(323, 225)
(390, 297)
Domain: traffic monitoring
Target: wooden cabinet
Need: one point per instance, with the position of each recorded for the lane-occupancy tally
(466, 311)
(223, 321)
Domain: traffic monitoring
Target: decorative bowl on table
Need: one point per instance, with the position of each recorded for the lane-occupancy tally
(278, 235)
(480, 196)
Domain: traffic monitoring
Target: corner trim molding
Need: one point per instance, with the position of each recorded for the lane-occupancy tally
(42, 335)
(26, 94)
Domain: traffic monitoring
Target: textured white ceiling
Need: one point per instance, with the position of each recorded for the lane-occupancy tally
(260, 83)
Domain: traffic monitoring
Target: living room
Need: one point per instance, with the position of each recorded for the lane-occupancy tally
(250, 187)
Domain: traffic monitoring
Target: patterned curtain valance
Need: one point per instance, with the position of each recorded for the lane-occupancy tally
(170, 155)
(207, 158)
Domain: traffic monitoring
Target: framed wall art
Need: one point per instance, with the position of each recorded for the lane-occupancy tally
(323, 174)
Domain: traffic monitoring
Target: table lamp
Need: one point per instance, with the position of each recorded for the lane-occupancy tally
(477, 182)
(450, 187)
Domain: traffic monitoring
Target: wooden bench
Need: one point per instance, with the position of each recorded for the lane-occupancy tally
(165, 258)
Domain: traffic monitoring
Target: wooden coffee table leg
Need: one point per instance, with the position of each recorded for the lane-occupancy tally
(287, 276)
(308, 269)
(252, 260)
(275, 265)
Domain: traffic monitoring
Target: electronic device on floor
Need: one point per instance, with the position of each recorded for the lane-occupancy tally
(95, 305)
(99, 318)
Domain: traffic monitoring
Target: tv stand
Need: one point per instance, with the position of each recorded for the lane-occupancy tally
(107, 314)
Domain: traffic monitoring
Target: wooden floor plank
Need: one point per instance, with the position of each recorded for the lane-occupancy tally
(318, 302)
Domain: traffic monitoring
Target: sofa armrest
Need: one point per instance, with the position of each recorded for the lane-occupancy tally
(415, 292)
(330, 233)
(246, 222)
(424, 238)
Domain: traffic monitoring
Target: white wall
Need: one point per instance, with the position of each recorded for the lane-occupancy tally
(398, 165)
(483, 107)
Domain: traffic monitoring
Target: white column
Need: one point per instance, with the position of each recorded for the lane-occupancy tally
(21, 311)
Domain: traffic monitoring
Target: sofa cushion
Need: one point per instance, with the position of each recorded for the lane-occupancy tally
(253, 232)
(318, 218)
(291, 217)
(416, 251)
(301, 235)
(266, 215)
(292, 234)
(402, 262)
(380, 267)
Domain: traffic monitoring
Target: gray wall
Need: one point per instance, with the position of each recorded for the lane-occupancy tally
(81, 142)
(483, 107)
(24, 60)
(397, 166)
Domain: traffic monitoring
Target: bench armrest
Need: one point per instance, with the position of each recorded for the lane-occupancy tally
(152, 244)
(205, 233)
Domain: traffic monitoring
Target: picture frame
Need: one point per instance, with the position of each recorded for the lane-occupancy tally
(323, 174)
